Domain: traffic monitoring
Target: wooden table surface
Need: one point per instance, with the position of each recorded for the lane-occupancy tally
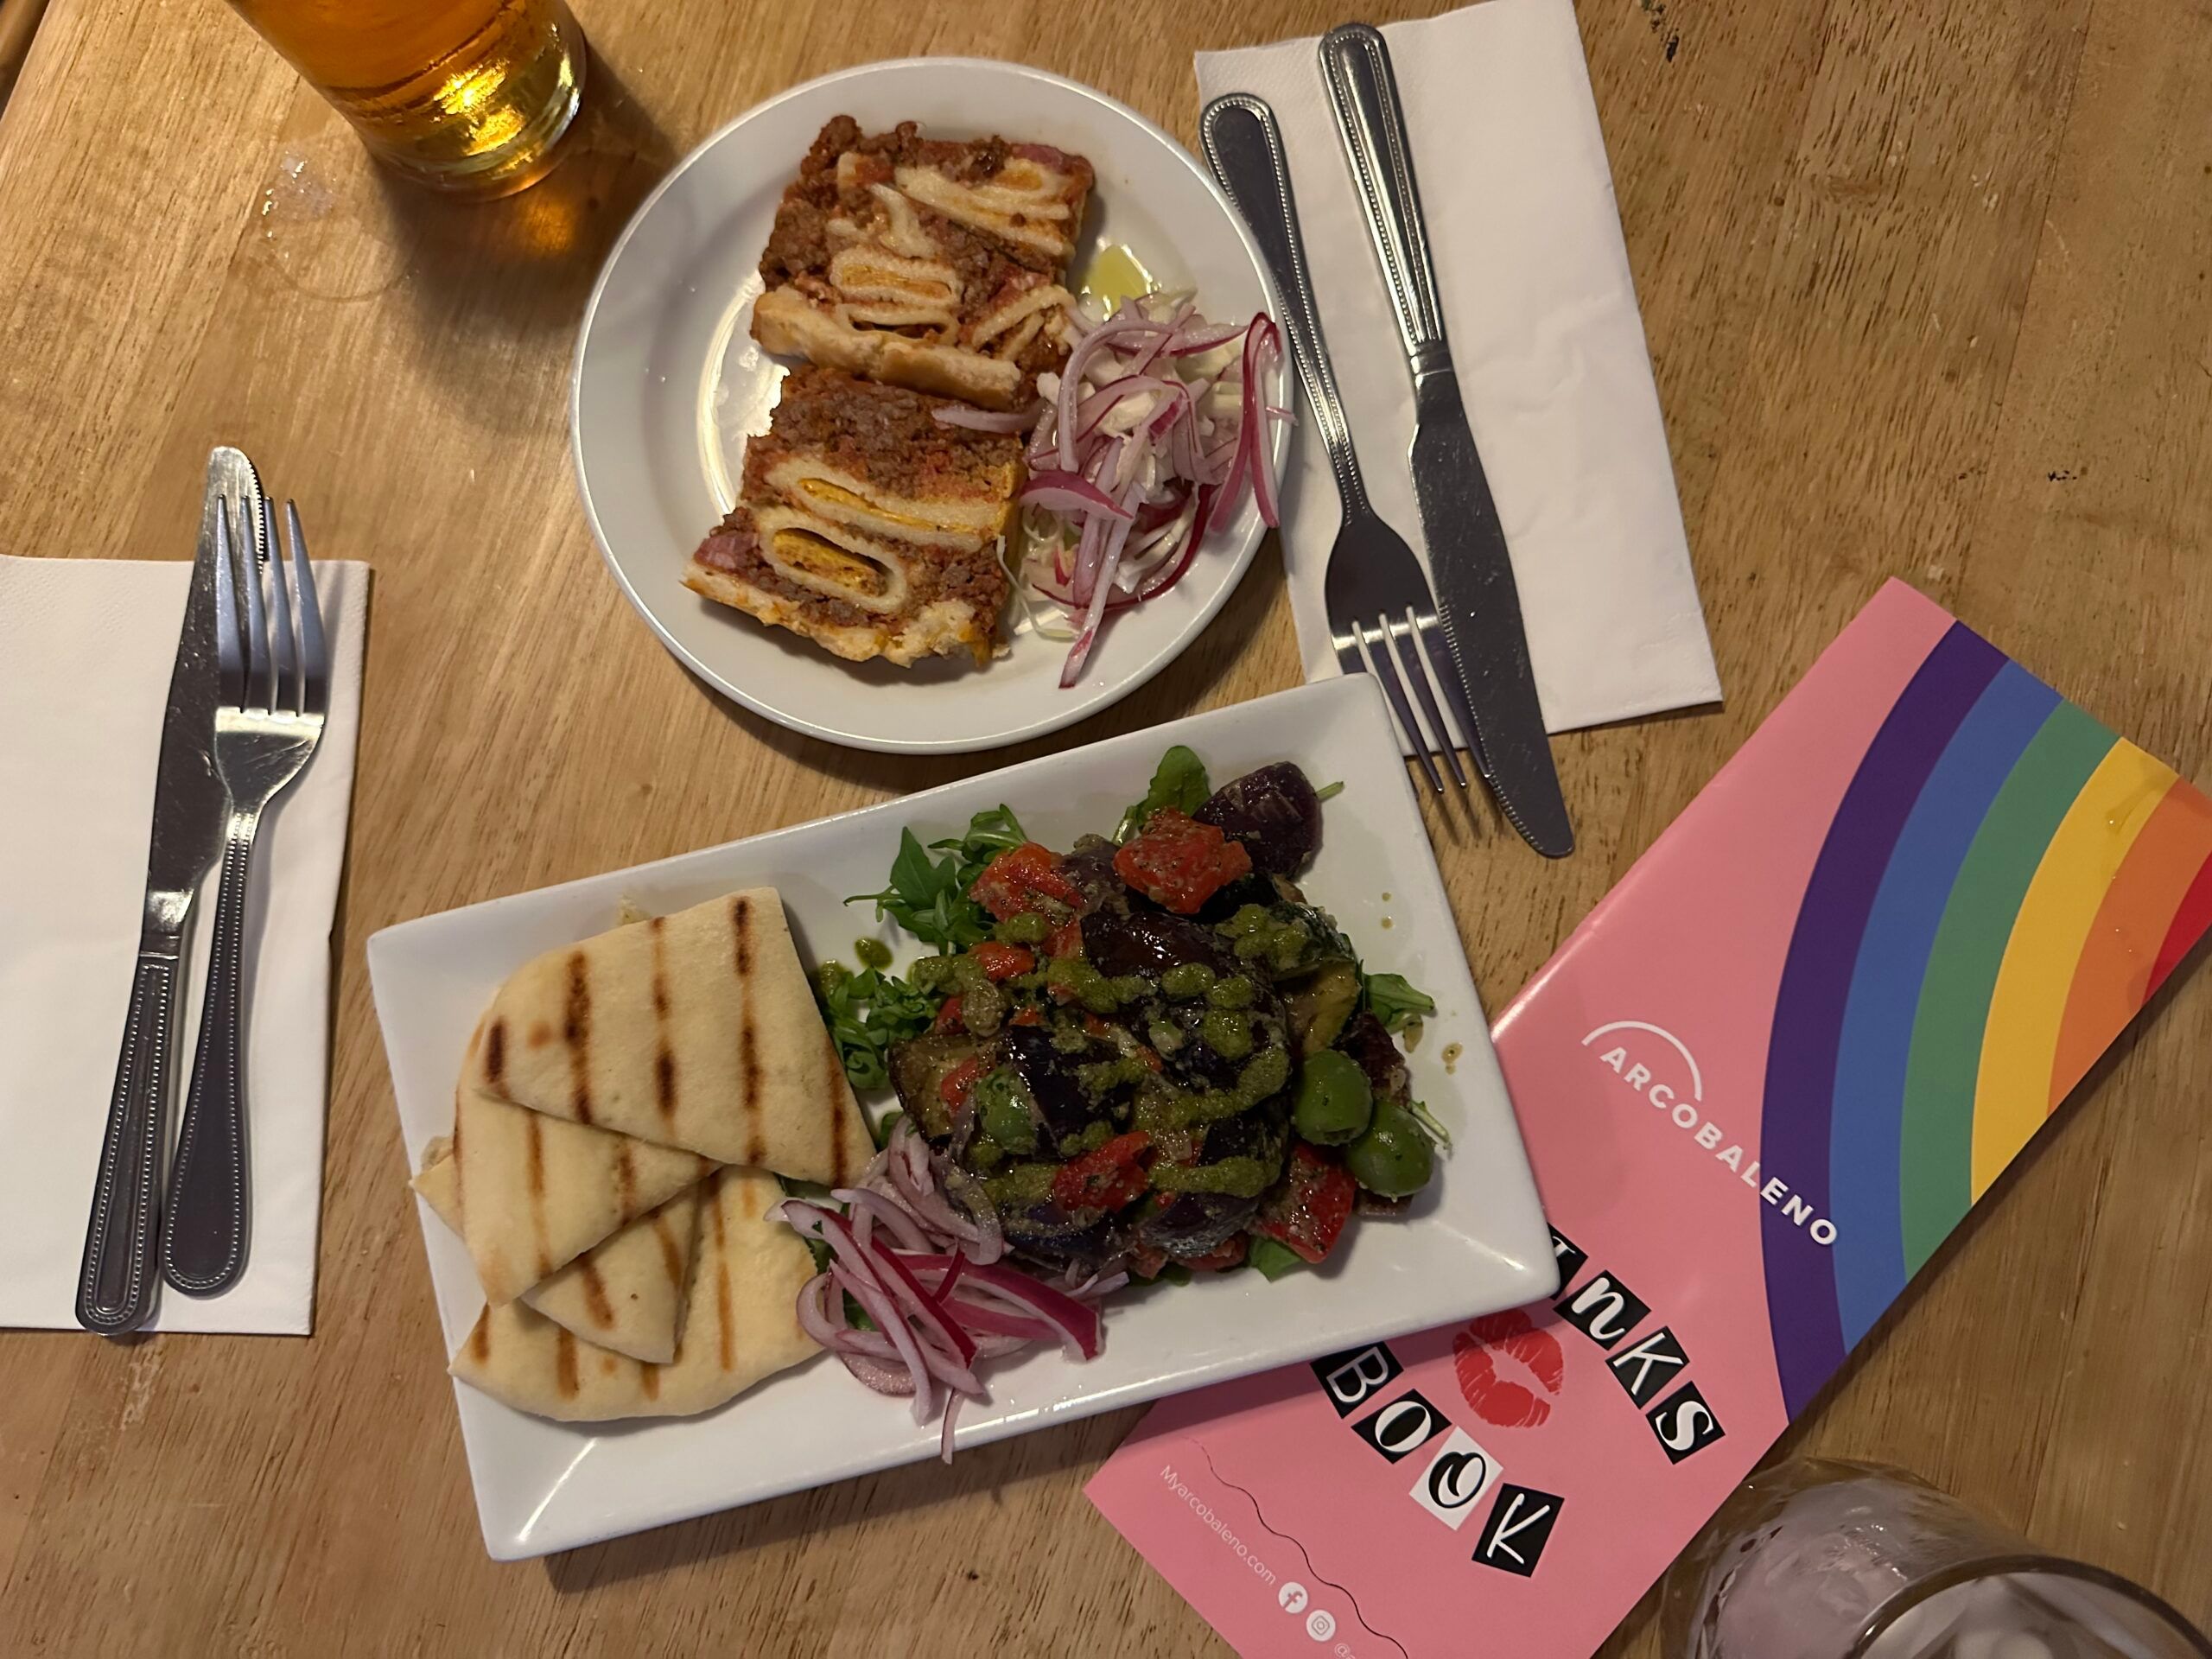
(1927, 289)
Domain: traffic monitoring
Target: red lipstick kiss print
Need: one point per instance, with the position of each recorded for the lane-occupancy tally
(1494, 1389)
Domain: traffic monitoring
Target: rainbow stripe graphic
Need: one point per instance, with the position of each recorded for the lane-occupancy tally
(2004, 886)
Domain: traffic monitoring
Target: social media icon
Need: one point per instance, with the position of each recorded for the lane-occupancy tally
(1321, 1624)
(1292, 1597)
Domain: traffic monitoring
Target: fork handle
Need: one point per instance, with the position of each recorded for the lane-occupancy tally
(115, 1285)
(1244, 148)
(1355, 64)
(204, 1221)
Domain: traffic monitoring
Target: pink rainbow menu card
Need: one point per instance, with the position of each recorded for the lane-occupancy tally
(1760, 1083)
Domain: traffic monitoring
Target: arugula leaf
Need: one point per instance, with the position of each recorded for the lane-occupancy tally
(989, 835)
(929, 899)
(1178, 781)
(1272, 1257)
(868, 1012)
(1394, 1002)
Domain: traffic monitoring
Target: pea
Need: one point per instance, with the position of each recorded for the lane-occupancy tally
(1229, 1035)
(1393, 1158)
(1187, 980)
(1001, 1100)
(873, 953)
(1335, 1100)
(1234, 992)
(1028, 928)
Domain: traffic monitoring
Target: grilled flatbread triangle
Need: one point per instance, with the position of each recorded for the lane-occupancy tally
(537, 1192)
(625, 1292)
(696, 1030)
(742, 1326)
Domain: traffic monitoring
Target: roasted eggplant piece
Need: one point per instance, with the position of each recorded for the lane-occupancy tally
(1150, 941)
(1274, 812)
(1089, 868)
(1050, 1073)
(1367, 1040)
(1198, 1223)
(1321, 1004)
(919, 1067)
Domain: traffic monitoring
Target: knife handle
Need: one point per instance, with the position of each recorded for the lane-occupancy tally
(115, 1287)
(1244, 148)
(204, 1219)
(1355, 64)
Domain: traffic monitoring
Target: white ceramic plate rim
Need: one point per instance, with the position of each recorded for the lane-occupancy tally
(1481, 1245)
(1234, 558)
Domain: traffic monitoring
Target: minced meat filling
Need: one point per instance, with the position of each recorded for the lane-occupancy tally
(884, 435)
(799, 244)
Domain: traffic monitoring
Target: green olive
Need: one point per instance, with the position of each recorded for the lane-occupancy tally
(1335, 1100)
(1393, 1158)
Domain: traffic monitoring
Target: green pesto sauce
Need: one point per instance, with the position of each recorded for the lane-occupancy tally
(1187, 980)
(1237, 991)
(1093, 1137)
(1028, 928)
(1022, 1185)
(1242, 1178)
(873, 953)
(1229, 1035)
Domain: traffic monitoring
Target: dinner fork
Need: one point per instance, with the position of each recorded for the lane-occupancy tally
(1382, 614)
(276, 692)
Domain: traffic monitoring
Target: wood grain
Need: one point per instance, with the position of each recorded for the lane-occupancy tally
(1927, 291)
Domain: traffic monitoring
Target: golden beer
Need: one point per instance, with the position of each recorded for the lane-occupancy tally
(468, 96)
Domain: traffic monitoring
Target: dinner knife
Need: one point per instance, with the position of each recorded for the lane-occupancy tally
(1468, 565)
(115, 1287)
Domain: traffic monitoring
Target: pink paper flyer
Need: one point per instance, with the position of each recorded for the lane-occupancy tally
(1759, 1084)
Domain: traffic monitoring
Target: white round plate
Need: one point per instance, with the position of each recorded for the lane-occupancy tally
(668, 384)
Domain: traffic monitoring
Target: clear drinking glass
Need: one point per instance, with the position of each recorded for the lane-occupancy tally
(466, 95)
(1823, 1560)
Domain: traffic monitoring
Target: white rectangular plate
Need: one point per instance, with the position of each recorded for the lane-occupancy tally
(1474, 1242)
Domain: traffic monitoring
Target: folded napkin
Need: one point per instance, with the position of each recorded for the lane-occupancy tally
(1541, 311)
(85, 649)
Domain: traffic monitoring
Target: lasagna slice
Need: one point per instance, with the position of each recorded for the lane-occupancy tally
(867, 525)
(925, 263)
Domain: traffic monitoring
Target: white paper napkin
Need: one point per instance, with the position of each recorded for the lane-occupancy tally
(85, 649)
(1541, 311)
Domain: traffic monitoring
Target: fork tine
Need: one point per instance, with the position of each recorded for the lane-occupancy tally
(314, 662)
(1446, 672)
(285, 691)
(1385, 669)
(230, 663)
(1410, 660)
(250, 558)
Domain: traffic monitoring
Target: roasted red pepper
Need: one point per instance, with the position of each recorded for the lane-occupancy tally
(1227, 1256)
(1308, 1210)
(1106, 1178)
(1001, 961)
(1179, 863)
(948, 1016)
(960, 1082)
(1066, 940)
(1025, 879)
(1029, 1016)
